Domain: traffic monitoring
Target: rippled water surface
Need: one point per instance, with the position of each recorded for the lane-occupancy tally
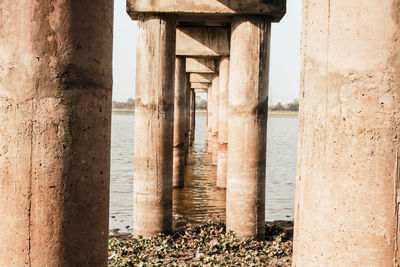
(200, 199)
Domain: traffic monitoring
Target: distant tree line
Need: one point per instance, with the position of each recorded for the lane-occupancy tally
(129, 104)
(201, 104)
(293, 106)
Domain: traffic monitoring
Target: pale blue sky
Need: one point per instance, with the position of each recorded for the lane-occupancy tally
(285, 54)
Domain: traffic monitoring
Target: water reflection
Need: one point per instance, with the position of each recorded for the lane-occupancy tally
(200, 199)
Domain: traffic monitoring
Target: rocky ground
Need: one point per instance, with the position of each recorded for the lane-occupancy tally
(205, 245)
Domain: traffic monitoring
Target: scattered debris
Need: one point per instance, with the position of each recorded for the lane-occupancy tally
(205, 245)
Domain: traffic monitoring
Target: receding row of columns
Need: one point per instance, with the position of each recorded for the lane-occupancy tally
(236, 124)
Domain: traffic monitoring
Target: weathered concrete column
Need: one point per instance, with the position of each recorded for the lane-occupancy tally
(209, 118)
(55, 127)
(248, 101)
(214, 126)
(347, 203)
(223, 113)
(187, 116)
(192, 129)
(154, 125)
(180, 122)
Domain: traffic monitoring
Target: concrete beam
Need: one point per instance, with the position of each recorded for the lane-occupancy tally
(201, 78)
(202, 65)
(198, 90)
(216, 8)
(203, 41)
(199, 85)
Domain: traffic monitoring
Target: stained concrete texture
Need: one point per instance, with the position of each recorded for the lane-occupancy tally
(201, 78)
(215, 108)
(55, 125)
(187, 116)
(209, 118)
(202, 65)
(214, 8)
(203, 41)
(154, 116)
(348, 157)
(199, 85)
(179, 122)
(192, 128)
(247, 130)
(223, 113)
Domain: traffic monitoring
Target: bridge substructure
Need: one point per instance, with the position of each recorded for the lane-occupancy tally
(235, 37)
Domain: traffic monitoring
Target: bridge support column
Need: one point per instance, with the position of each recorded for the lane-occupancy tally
(214, 126)
(192, 130)
(187, 116)
(248, 100)
(223, 122)
(180, 122)
(55, 127)
(209, 118)
(347, 199)
(154, 125)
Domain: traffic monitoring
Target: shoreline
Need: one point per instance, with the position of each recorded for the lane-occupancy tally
(117, 233)
(272, 114)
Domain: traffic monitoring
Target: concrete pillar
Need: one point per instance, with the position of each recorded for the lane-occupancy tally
(215, 108)
(347, 203)
(223, 113)
(192, 116)
(209, 118)
(248, 101)
(180, 122)
(55, 127)
(187, 116)
(154, 125)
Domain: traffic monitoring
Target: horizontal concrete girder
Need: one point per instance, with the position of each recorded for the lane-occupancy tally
(198, 90)
(199, 85)
(203, 41)
(275, 9)
(201, 78)
(202, 65)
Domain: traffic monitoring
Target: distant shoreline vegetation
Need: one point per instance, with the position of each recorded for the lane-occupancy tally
(290, 109)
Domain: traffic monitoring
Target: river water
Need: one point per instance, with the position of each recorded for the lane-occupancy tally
(200, 199)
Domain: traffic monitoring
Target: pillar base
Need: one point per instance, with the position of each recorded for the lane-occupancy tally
(179, 166)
